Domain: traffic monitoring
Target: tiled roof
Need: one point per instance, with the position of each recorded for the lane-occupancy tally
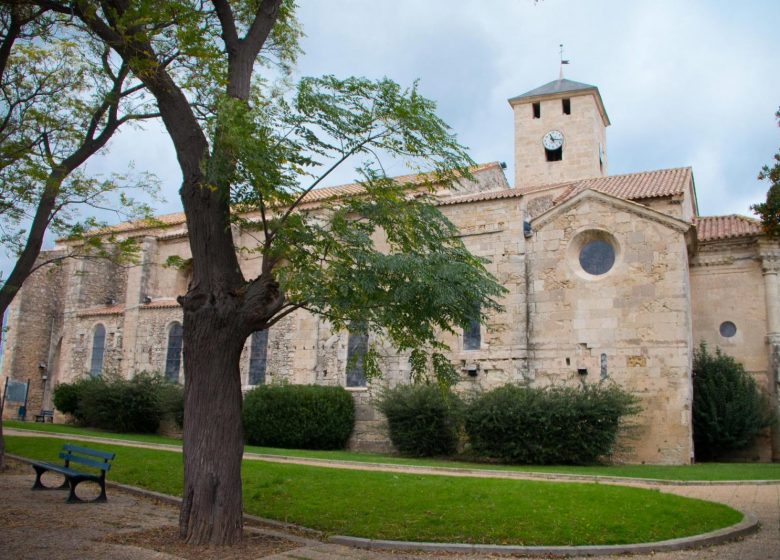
(314, 196)
(163, 303)
(104, 310)
(561, 88)
(478, 197)
(166, 220)
(634, 186)
(556, 86)
(711, 228)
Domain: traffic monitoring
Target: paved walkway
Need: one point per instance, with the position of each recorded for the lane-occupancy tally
(45, 527)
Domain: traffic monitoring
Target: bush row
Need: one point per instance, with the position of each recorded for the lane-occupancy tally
(511, 423)
(110, 402)
(729, 409)
(298, 416)
(291, 416)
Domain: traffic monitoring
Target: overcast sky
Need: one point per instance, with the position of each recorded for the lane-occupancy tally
(685, 83)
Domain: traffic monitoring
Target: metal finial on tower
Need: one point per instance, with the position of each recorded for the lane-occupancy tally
(560, 75)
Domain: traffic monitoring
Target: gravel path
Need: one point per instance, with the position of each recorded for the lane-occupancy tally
(41, 526)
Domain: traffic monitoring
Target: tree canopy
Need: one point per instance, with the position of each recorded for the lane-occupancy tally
(252, 146)
(62, 98)
(769, 211)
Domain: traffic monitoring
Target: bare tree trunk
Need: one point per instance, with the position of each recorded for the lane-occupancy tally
(211, 511)
(2, 444)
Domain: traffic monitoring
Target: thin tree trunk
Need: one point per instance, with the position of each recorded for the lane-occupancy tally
(211, 511)
(2, 443)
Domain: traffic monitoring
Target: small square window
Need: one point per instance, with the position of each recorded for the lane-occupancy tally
(554, 155)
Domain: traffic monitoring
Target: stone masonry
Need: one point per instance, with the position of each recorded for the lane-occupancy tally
(610, 279)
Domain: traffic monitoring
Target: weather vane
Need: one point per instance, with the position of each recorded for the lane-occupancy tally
(560, 75)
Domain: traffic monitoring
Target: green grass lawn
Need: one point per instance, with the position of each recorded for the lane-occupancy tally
(429, 508)
(702, 471)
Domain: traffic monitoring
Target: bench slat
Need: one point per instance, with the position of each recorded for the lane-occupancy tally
(88, 451)
(66, 471)
(73, 453)
(85, 461)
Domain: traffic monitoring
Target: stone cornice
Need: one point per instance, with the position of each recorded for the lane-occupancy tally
(769, 251)
(618, 204)
(481, 229)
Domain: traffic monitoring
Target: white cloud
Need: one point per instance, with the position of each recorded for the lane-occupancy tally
(684, 83)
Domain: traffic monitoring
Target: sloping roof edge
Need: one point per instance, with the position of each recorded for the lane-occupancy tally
(313, 197)
(620, 203)
(562, 88)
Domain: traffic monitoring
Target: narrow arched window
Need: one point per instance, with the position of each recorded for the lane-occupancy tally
(357, 346)
(258, 353)
(173, 357)
(98, 349)
(472, 332)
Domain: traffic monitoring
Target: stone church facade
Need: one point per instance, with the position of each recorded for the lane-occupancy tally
(609, 278)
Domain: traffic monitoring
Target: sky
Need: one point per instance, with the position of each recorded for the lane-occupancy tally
(685, 82)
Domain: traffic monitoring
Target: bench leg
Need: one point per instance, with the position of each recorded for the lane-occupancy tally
(38, 485)
(73, 481)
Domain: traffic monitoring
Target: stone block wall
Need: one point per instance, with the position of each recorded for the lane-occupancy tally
(583, 131)
(78, 337)
(630, 325)
(729, 285)
(493, 229)
(34, 323)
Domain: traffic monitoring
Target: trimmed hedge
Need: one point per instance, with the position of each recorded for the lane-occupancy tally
(298, 416)
(112, 403)
(548, 426)
(729, 410)
(424, 420)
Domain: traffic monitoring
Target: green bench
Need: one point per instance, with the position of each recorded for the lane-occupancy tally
(93, 458)
(44, 416)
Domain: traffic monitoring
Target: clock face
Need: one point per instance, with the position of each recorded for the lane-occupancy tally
(553, 140)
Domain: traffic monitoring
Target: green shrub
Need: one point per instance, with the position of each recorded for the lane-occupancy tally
(299, 416)
(547, 426)
(172, 402)
(729, 410)
(424, 420)
(67, 396)
(112, 403)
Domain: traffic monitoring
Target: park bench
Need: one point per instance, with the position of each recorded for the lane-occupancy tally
(44, 416)
(93, 458)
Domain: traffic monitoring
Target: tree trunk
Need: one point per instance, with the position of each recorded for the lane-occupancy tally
(2, 443)
(211, 511)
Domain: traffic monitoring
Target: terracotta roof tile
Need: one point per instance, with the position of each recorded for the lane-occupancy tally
(478, 197)
(711, 228)
(103, 310)
(633, 186)
(162, 303)
(316, 195)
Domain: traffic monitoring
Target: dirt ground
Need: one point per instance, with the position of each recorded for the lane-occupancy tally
(40, 525)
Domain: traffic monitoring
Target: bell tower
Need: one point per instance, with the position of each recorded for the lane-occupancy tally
(560, 134)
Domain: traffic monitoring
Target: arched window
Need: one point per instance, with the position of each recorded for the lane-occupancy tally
(258, 352)
(357, 346)
(98, 349)
(472, 334)
(173, 357)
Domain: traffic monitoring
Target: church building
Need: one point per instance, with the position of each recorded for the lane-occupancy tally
(610, 279)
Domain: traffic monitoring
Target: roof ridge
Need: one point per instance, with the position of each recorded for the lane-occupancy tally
(177, 218)
(741, 216)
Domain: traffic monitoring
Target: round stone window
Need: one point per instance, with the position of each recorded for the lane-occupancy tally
(592, 254)
(728, 329)
(597, 257)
